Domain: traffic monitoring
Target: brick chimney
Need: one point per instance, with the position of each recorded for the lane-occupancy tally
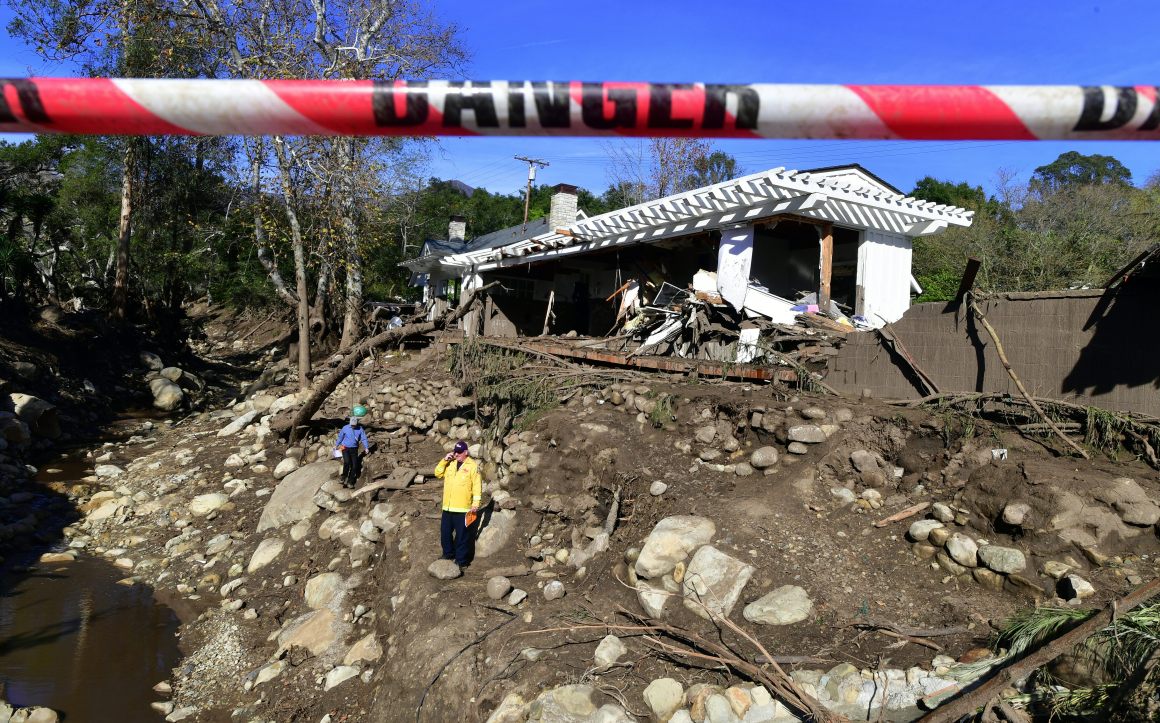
(457, 229)
(563, 211)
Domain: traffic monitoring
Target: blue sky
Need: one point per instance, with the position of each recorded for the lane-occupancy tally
(984, 42)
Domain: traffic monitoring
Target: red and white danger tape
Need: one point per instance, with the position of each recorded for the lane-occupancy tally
(106, 106)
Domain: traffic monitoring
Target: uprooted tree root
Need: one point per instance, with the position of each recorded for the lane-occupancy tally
(1103, 430)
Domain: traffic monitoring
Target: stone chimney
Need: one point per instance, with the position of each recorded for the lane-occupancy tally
(563, 211)
(457, 229)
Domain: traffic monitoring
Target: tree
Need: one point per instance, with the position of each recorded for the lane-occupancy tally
(960, 194)
(384, 39)
(1072, 169)
(645, 170)
(714, 168)
(122, 38)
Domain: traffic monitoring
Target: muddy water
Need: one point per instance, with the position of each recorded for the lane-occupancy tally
(76, 641)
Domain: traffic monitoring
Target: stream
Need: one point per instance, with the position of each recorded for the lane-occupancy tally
(75, 640)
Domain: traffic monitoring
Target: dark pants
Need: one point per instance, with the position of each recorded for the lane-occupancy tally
(351, 466)
(458, 539)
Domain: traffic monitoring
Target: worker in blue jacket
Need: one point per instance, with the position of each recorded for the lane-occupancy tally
(350, 438)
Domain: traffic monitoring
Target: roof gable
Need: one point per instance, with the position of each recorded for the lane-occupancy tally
(855, 175)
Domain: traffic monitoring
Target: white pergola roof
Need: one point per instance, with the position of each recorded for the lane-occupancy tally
(739, 201)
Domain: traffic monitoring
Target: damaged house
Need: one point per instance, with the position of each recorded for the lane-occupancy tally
(750, 253)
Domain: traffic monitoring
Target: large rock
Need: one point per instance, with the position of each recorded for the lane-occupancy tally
(366, 650)
(763, 457)
(40, 416)
(322, 589)
(713, 582)
(1131, 501)
(167, 396)
(806, 434)
(202, 505)
(292, 499)
(963, 550)
(1006, 560)
(652, 599)
(237, 425)
(610, 650)
(786, 605)
(664, 696)
(265, 554)
(567, 704)
(444, 570)
(920, 529)
(671, 541)
(285, 467)
(496, 535)
(316, 631)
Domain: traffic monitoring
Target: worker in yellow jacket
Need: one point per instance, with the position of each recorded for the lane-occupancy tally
(462, 492)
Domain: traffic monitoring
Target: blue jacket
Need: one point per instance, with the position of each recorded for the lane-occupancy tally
(351, 437)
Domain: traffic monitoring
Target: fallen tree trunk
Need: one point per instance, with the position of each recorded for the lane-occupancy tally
(321, 391)
(970, 701)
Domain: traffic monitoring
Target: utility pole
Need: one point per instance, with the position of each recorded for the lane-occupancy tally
(532, 163)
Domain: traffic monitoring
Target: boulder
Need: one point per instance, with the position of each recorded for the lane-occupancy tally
(713, 582)
(664, 696)
(202, 505)
(1006, 560)
(652, 599)
(366, 650)
(1074, 587)
(293, 498)
(238, 424)
(444, 570)
(1130, 500)
(339, 675)
(920, 529)
(786, 605)
(671, 541)
(963, 550)
(763, 457)
(567, 704)
(40, 416)
(322, 589)
(151, 361)
(498, 587)
(167, 396)
(316, 631)
(806, 434)
(1015, 513)
(285, 467)
(610, 650)
(173, 374)
(495, 536)
(265, 553)
(554, 590)
(108, 470)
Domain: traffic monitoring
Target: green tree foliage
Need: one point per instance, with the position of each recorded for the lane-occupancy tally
(1072, 169)
(1074, 224)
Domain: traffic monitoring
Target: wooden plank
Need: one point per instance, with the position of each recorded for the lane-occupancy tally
(825, 266)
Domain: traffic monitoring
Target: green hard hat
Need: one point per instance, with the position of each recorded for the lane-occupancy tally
(359, 411)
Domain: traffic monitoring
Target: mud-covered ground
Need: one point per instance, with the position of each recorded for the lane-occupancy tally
(329, 609)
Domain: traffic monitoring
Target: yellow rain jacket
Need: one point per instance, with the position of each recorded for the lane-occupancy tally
(462, 484)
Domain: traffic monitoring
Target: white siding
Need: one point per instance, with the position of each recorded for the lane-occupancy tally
(884, 275)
